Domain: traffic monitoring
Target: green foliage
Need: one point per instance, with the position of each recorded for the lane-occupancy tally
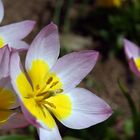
(70, 138)
(122, 23)
(16, 137)
(128, 128)
(134, 110)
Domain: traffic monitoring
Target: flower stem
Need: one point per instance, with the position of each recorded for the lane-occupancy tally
(67, 18)
(135, 114)
(57, 12)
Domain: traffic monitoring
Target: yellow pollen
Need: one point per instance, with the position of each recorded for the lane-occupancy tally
(49, 81)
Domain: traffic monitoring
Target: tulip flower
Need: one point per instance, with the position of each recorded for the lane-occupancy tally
(10, 117)
(48, 86)
(132, 52)
(14, 33)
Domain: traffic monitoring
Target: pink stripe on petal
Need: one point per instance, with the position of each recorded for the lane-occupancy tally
(131, 49)
(1, 11)
(5, 61)
(73, 67)
(4, 81)
(17, 31)
(87, 109)
(18, 45)
(2, 50)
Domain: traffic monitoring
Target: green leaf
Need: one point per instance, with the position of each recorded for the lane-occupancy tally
(16, 137)
(128, 127)
(130, 101)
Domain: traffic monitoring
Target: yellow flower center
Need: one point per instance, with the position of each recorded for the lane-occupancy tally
(7, 99)
(45, 94)
(41, 94)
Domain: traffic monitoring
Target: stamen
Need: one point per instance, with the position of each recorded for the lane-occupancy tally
(59, 90)
(41, 106)
(49, 81)
(37, 87)
(41, 94)
(46, 94)
(43, 110)
(50, 104)
(54, 84)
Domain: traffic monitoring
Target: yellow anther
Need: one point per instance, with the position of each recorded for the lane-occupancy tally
(54, 84)
(50, 104)
(37, 87)
(59, 91)
(49, 80)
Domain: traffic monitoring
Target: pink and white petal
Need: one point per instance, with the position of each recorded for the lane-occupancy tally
(29, 116)
(49, 135)
(87, 109)
(4, 81)
(33, 120)
(17, 120)
(45, 46)
(2, 50)
(15, 70)
(133, 67)
(73, 67)
(1, 11)
(5, 60)
(16, 31)
(131, 49)
(18, 45)
(22, 87)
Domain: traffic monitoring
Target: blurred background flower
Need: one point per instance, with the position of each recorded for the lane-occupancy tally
(109, 3)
